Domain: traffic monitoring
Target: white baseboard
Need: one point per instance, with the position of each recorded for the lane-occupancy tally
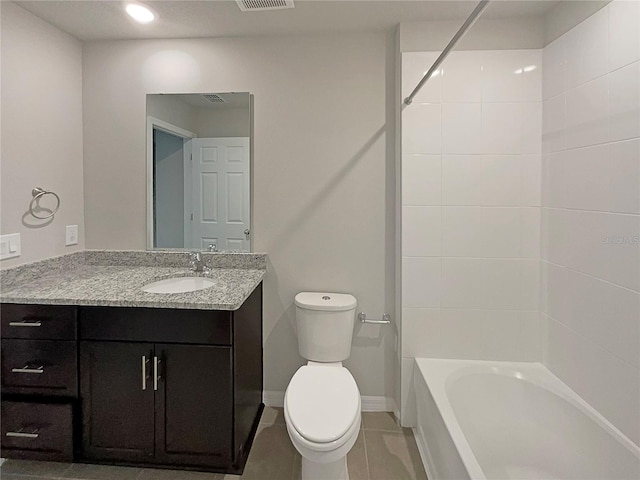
(377, 404)
(272, 398)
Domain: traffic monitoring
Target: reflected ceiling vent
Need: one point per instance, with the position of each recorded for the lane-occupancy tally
(255, 5)
(213, 98)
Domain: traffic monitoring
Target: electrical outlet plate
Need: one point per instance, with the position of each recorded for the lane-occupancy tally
(72, 235)
(10, 246)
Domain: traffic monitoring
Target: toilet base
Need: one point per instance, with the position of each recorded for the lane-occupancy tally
(325, 471)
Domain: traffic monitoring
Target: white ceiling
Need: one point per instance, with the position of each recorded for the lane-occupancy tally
(105, 20)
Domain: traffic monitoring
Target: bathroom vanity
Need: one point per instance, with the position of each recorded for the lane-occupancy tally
(159, 380)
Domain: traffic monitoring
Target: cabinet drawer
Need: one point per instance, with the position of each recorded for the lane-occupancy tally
(155, 325)
(46, 322)
(46, 367)
(37, 431)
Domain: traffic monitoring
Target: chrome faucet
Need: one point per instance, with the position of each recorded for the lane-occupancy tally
(197, 263)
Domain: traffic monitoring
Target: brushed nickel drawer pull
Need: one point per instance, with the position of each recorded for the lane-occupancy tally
(144, 372)
(155, 373)
(26, 323)
(22, 434)
(28, 369)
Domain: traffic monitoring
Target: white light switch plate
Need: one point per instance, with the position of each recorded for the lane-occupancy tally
(10, 246)
(72, 235)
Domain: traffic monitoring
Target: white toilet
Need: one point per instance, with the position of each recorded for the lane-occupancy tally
(322, 401)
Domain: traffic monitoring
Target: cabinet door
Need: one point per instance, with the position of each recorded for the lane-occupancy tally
(194, 411)
(117, 401)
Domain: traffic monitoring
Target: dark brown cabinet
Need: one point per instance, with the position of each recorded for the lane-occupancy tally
(39, 381)
(44, 367)
(117, 414)
(165, 403)
(194, 404)
(171, 387)
(37, 431)
(132, 386)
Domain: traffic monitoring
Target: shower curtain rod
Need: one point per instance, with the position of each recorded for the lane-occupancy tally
(459, 34)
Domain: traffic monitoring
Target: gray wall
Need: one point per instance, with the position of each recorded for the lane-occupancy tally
(204, 122)
(323, 178)
(173, 110)
(485, 34)
(223, 122)
(169, 190)
(41, 132)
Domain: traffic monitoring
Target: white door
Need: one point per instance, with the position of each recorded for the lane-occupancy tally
(220, 193)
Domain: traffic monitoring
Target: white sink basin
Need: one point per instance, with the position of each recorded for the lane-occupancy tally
(179, 285)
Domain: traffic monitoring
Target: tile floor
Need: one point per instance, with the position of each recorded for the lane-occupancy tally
(383, 451)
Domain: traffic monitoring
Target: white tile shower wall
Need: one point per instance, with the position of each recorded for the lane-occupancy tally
(471, 197)
(591, 212)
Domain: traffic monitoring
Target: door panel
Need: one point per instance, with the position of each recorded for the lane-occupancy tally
(220, 194)
(117, 401)
(194, 412)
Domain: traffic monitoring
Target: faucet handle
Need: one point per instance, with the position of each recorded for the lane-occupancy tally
(195, 256)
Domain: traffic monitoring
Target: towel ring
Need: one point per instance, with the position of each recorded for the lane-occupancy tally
(38, 193)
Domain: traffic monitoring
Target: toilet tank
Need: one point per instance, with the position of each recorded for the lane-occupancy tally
(325, 325)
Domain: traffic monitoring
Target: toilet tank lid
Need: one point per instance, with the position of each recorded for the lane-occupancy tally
(325, 301)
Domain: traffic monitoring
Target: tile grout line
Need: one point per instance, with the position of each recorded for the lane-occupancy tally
(366, 455)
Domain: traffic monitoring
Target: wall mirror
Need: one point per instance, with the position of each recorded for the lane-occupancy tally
(199, 157)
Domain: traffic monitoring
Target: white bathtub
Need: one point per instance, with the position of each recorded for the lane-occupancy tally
(503, 420)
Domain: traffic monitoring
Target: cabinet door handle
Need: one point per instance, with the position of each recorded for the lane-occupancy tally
(28, 369)
(155, 373)
(22, 434)
(144, 372)
(26, 323)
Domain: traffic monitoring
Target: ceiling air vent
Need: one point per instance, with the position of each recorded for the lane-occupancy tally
(255, 5)
(213, 98)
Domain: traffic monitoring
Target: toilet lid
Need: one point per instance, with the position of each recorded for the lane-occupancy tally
(322, 402)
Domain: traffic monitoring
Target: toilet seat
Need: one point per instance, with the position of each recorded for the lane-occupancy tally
(322, 403)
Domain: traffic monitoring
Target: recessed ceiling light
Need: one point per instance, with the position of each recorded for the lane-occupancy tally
(140, 13)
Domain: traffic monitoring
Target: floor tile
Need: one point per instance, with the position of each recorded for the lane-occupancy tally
(85, 471)
(157, 474)
(272, 415)
(272, 455)
(357, 460)
(35, 468)
(380, 421)
(297, 467)
(393, 456)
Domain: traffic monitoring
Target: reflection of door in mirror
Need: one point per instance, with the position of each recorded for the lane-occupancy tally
(220, 193)
(201, 192)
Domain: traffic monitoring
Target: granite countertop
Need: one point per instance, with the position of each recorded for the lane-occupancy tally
(100, 278)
